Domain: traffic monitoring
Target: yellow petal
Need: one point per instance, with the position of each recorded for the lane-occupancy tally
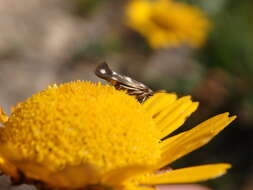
(3, 116)
(175, 107)
(134, 187)
(188, 141)
(73, 176)
(168, 112)
(175, 115)
(8, 168)
(188, 175)
(155, 104)
(118, 176)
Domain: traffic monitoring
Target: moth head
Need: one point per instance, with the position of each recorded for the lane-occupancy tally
(103, 71)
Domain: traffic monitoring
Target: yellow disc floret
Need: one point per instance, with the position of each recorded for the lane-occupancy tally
(80, 124)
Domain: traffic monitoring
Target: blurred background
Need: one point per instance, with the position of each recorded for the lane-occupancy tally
(198, 47)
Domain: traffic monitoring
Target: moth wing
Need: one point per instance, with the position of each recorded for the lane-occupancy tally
(128, 81)
(121, 81)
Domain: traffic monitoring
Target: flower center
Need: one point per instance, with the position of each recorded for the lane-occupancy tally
(81, 124)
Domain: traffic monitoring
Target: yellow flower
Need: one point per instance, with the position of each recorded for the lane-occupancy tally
(166, 23)
(87, 135)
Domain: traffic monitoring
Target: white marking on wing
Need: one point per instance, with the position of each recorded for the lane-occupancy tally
(103, 71)
(128, 79)
(143, 85)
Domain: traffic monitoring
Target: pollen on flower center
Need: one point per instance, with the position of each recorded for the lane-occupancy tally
(81, 123)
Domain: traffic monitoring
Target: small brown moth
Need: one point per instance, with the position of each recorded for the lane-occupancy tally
(122, 82)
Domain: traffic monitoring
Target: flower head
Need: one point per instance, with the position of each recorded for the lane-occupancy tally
(166, 23)
(82, 135)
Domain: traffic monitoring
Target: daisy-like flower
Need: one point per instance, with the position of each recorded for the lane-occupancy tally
(83, 135)
(166, 23)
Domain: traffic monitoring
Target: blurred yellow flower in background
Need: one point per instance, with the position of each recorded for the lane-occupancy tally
(166, 23)
(87, 135)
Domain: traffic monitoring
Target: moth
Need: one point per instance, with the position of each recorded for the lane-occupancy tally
(122, 82)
